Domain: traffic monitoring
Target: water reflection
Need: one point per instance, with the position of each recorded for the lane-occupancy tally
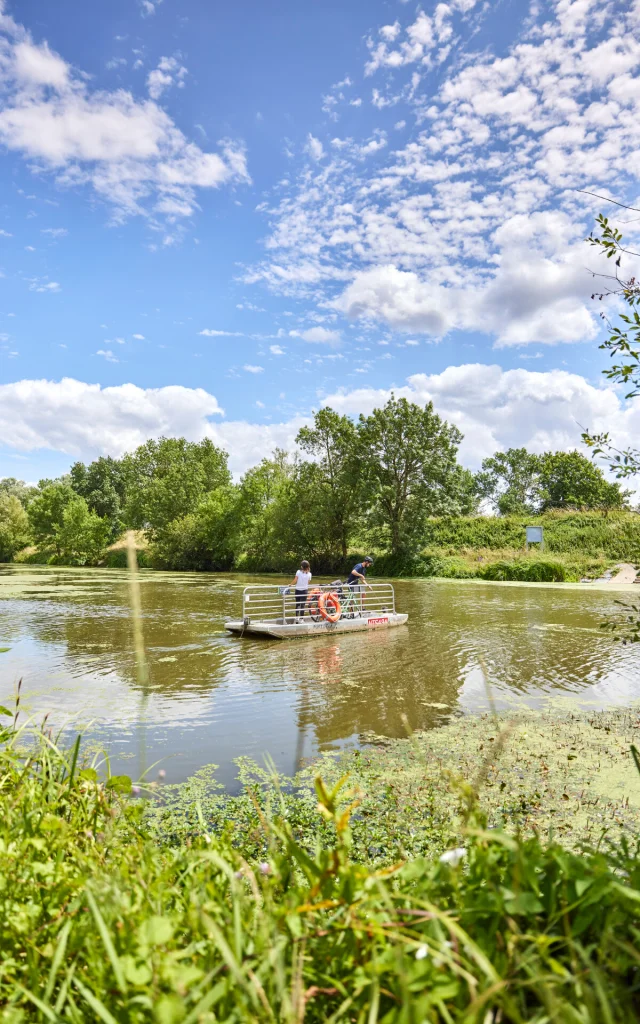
(212, 697)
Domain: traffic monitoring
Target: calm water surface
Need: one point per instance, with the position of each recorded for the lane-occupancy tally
(213, 697)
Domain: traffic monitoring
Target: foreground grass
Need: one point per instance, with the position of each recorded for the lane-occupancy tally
(103, 919)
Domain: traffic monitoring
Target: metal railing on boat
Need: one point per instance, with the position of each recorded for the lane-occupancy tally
(264, 602)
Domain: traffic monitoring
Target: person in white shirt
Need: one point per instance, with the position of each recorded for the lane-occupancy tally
(301, 583)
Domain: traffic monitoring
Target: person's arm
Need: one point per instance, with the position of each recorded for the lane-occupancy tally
(361, 577)
(295, 580)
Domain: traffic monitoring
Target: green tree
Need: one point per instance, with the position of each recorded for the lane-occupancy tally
(408, 461)
(14, 526)
(203, 540)
(46, 512)
(509, 481)
(103, 486)
(263, 510)
(9, 485)
(82, 535)
(334, 477)
(570, 480)
(166, 480)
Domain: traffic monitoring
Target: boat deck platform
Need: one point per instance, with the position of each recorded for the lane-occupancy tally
(270, 611)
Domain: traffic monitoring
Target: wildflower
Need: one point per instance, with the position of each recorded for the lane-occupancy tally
(238, 874)
(135, 791)
(453, 857)
(265, 869)
(162, 773)
(422, 952)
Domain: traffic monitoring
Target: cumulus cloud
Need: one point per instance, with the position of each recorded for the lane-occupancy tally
(320, 335)
(494, 408)
(249, 368)
(129, 150)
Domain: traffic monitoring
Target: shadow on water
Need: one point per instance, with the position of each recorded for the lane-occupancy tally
(212, 697)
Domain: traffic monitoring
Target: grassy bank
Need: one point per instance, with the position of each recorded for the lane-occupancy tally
(103, 916)
(578, 545)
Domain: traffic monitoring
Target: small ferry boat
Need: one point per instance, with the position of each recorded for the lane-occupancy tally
(272, 611)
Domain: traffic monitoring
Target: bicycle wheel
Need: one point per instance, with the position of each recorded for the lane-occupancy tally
(313, 606)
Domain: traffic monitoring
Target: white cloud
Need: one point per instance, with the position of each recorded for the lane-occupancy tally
(321, 335)
(494, 408)
(314, 147)
(129, 150)
(108, 355)
(248, 368)
(475, 223)
(5, 234)
(168, 72)
(139, 337)
(497, 409)
(148, 7)
(55, 232)
(276, 350)
(39, 285)
(209, 333)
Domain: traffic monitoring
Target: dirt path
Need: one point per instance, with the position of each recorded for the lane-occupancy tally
(626, 573)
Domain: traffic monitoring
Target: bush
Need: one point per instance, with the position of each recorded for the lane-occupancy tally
(527, 570)
(100, 922)
(116, 558)
(14, 526)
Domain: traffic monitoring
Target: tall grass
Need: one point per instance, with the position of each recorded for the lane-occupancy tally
(100, 922)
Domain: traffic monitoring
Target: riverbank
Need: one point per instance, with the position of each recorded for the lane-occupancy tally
(104, 917)
(578, 546)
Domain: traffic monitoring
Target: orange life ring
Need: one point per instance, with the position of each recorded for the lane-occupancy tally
(333, 602)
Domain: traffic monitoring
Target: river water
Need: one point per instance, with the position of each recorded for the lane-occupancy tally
(213, 697)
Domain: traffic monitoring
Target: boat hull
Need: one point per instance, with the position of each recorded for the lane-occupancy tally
(297, 630)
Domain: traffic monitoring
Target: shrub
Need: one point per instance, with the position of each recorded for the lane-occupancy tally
(527, 570)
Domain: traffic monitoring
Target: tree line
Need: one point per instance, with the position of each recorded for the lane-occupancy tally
(369, 483)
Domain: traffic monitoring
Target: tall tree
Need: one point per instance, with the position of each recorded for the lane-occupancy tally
(334, 481)
(46, 512)
(166, 479)
(509, 481)
(570, 480)
(14, 526)
(103, 486)
(9, 485)
(82, 535)
(408, 458)
(265, 527)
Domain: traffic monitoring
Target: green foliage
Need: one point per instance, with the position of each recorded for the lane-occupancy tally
(46, 513)
(537, 570)
(408, 465)
(615, 535)
(82, 536)
(623, 343)
(102, 484)
(508, 480)
(100, 922)
(10, 486)
(516, 482)
(14, 526)
(168, 478)
(335, 477)
(201, 540)
(570, 480)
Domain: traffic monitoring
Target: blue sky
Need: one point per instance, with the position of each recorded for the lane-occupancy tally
(216, 218)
